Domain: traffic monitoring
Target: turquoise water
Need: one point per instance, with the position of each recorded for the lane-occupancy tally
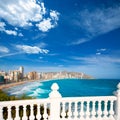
(68, 88)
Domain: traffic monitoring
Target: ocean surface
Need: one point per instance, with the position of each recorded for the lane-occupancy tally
(67, 88)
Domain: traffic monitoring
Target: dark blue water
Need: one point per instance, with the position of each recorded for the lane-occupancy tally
(67, 88)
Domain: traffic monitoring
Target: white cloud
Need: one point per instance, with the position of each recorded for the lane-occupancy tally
(98, 60)
(10, 32)
(20, 34)
(31, 49)
(101, 50)
(78, 42)
(42, 45)
(54, 15)
(40, 57)
(2, 26)
(39, 36)
(10, 54)
(4, 49)
(45, 25)
(22, 13)
(98, 21)
(49, 23)
(98, 53)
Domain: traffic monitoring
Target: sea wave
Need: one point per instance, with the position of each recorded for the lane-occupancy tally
(23, 89)
(38, 92)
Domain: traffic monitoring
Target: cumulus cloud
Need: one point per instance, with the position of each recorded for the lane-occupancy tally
(22, 13)
(48, 23)
(54, 15)
(31, 49)
(45, 25)
(4, 49)
(9, 32)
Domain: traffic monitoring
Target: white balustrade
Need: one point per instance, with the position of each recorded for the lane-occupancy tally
(38, 116)
(31, 113)
(111, 111)
(9, 112)
(17, 113)
(105, 109)
(1, 113)
(118, 103)
(45, 115)
(64, 108)
(93, 111)
(99, 111)
(69, 110)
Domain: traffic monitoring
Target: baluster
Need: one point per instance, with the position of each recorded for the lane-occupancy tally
(111, 112)
(1, 113)
(105, 112)
(24, 113)
(75, 111)
(38, 116)
(88, 110)
(17, 113)
(93, 110)
(69, 111)
(31, 113)
(63, 110)
(99, 111)
(45, 115)
(9, 113)
(82, 110)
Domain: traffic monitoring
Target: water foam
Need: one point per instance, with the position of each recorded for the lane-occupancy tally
(24, 89)
(38, 92)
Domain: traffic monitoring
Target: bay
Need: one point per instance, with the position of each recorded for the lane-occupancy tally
(67, 88)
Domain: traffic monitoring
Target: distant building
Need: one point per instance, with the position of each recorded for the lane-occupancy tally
(33, 75)
(2, 73)
(14, 75)
(1, 79)
(21, 69)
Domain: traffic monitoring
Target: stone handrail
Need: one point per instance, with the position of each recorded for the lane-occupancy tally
(56, 107)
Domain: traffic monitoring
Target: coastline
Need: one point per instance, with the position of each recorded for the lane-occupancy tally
(9, 85)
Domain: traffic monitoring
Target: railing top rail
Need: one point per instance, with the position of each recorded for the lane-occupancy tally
(24, 102)
(90, 98)
(64, 99)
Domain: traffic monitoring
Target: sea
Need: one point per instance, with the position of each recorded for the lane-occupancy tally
(67, 88)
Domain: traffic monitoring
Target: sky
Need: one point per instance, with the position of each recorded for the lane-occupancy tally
(56, 35)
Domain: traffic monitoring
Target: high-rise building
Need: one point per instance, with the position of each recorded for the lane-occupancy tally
(21, 69)
(33, 75)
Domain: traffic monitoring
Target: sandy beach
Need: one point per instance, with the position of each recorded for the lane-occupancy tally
(8, 85)
(4, 86)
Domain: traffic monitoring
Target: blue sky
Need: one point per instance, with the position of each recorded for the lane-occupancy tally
(56, 35)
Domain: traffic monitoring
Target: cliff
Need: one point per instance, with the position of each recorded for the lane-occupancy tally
(64, 74)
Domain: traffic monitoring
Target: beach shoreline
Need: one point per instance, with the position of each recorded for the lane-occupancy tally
(9, 85)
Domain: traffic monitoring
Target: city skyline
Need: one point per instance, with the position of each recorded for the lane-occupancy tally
(52, 36)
